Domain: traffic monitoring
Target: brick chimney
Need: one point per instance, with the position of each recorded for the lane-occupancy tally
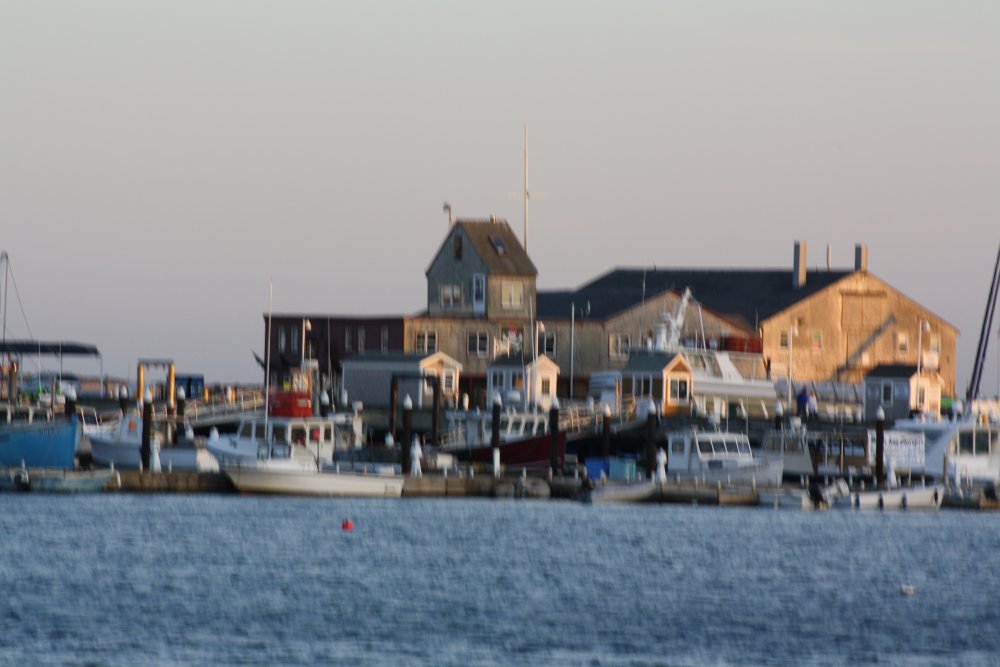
(860, 257)
(799, 265)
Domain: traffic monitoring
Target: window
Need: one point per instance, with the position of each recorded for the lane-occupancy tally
(817, 341)
(517, 380)
(361, 340)
(936, 343)
(618, 345)
(281, 339)
(479, 342)
(385, 339)
(886, 392)
(347, 339)
(512, 294)
(642, 385)
(295, 340)
(479, 292)
(496, 380)
(783, 340)
(457, 245)
(451, 296)
(547, 344)
(499, 245)
(678, 390)
(427, 342)
(448, 383)
(902, 343)
(677, 446)
(546, 386)
(902, 392)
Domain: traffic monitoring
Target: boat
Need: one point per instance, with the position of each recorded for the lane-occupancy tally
(718, 457)
(58, 480)
(40, 442)
(524, 439)
(607, 491)
(120, 445)
(289, 424)
(291, 477)
(786, 499)
(965, 449)
(899, 498)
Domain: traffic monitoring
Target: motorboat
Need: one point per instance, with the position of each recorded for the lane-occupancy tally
(57, 480)
(37, 439)
(924, 497)
(965, 449)
(718, 457)
(524, 439)
(120, 445)
(293, 476)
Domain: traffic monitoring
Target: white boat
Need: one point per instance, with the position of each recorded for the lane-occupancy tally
(620, 492)
(58, 480)
(718, 456)
(786, 499)
(965, 449)
(291, 477)
(289, 425)
(120, 445)
(901, 498)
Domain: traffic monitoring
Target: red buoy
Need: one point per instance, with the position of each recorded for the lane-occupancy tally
(347, 525)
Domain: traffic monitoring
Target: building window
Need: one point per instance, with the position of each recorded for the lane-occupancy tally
(294, 340)
(886, 393)
(479, 291)
(517, 380)
(457, 245)
(678, 390)
(511, 294)
(783, 340)
(902, 392)
(449, 381)
(902, 343)
(385, 339)
(817, 341)
(347, 340)
(547, 344)
(427, 342)
(546, 386)
(282, 342)
(496, 380)
(479, 342)
(618, 345)
(361, 340)
(451, 296)
(935, 343)
(643, 385)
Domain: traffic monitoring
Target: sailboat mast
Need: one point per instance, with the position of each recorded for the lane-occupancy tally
(526, 195)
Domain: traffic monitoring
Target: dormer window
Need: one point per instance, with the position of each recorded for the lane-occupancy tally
(499, 245)
(457, 245)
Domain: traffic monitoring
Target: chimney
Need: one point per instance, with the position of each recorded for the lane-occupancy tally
(799, 265)
(860, 257)
(829, 256)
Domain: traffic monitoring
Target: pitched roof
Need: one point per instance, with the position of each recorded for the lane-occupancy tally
(643, 361)
(742, 295)
(892, 371)
(498, 246)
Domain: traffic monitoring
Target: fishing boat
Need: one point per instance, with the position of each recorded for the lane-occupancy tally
(303, 478)
(524, 440)
(718, 457)
(39, 443)
(965, 449)
(120, 446)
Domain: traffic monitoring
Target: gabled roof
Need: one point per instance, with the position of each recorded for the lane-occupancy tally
(495, 242)
(750, 295)
(518, 360)
(642, 361)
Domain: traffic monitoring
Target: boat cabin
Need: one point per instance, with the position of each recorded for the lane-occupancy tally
(696, 451)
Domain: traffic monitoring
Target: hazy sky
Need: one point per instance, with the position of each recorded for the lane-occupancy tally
(159, 161)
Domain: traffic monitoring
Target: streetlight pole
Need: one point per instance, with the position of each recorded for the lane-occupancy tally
(922, 326)
(792, 331)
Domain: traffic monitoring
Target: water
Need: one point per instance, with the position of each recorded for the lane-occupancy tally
(224, 580)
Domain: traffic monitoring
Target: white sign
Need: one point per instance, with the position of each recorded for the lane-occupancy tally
(904, 450)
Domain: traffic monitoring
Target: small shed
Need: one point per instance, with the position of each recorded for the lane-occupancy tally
(369, 378)
(665, 377)
(900, 391)
(522, 382)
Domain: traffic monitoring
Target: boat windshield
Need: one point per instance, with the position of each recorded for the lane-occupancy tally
(720, 447)
(540, 427)
(743, 447)
(278, 433)
(705, 446)
(298, 432)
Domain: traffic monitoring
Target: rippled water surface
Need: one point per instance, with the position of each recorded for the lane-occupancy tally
(225, 580)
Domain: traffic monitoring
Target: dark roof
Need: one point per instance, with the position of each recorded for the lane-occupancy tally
(516, 360)
(892, 371)
(742, 295)
(498, 246)
(642, 361)
(63, 348)
(390, 356)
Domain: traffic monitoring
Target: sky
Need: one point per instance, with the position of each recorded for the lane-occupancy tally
(163, 163)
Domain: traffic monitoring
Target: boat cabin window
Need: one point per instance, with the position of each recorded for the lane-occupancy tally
(743, 447)
(279, 433)
(677, 446)
(965, 442)
(504, 424)
(720, 447)
(328, 434)
(298, 435)
(705, 446)
(246, 430)
(516, 425)
(539, 427)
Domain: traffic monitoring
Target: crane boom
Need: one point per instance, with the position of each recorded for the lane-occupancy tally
(984, 335)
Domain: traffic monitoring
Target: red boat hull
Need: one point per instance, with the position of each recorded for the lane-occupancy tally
(534, 452)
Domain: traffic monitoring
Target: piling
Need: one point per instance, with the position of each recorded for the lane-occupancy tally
(606, 433)
(123, 399)
(495, 426)
(181, 403)
(650, 440)
(147, 428)
(554, 436)
(404, 443)
(880, 447)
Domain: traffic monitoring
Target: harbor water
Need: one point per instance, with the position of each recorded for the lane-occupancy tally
(223, 580)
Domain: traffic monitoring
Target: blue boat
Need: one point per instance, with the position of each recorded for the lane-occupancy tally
(40, 444)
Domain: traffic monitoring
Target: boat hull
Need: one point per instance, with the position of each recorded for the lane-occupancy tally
(915, 498)
(314, 483)
(534, 453)
(126, 454)
(57, 480)
(762, 472)
(40, 444)
(620, 493)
